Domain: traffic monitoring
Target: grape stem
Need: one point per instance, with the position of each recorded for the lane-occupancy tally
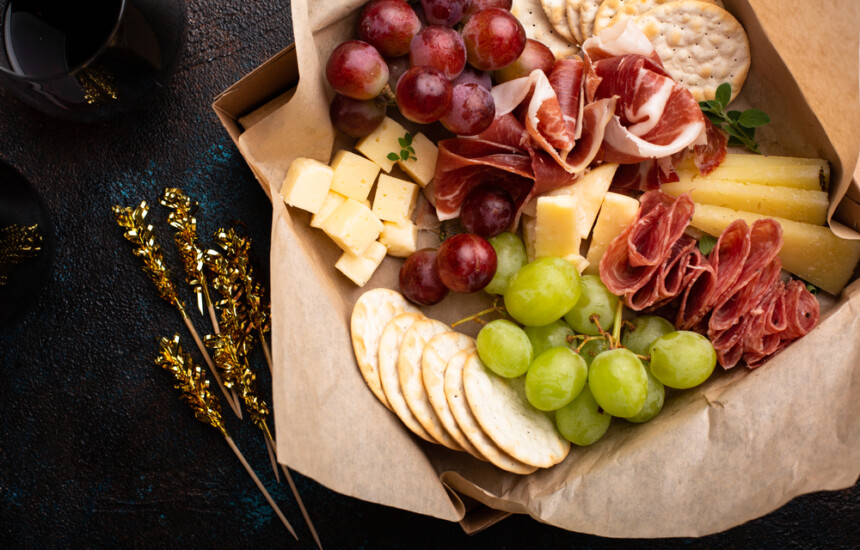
(616, 327)
(588, 339)
(386, 96)
(477, 317)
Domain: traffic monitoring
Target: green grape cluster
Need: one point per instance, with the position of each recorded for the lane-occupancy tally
(566, 339)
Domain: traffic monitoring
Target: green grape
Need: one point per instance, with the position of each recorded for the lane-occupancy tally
(542, 291)
(593, 348)
(554, 378)
(511, 256)
(504, 348)
(654, 401)
(618, 382)
(549, 336)
(582, 421)
(646, 329)
(594, 300)
(682, 359)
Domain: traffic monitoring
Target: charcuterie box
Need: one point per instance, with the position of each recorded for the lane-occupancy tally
(731, 450)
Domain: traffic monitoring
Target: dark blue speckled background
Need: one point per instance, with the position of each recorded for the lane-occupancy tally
(96, 449)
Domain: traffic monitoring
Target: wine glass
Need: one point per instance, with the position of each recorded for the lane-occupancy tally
(88, 60)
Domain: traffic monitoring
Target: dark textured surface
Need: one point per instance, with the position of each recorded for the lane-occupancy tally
(96, 449)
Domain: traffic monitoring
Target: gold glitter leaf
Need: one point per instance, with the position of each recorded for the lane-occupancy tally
(16, 245)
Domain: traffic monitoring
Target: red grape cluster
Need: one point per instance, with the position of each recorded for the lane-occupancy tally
(433, 58)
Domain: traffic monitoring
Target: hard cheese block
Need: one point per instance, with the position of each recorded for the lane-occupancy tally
(378, 144)
(421, 166)
(802, 205)
(556, 230)
(353, 227)
(812, 252)
(400, 238)
(306, 184)
(800, 173)
(331, 202)
(353, 175)
(395, 199)
(616, 213)
(361, 268)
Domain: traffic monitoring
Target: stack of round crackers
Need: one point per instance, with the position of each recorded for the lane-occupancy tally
(700, 44)
(430, 376)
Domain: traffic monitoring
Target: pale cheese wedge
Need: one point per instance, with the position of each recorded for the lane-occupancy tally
(395, 199)
(422, 165)
(360, 269)
(616, 213)
(353, 175)
(353, 227)
(811, 252)
(400, 238)
(306, 184)
(556, 230)
(331, 202)
(799, 173)
(378, 144)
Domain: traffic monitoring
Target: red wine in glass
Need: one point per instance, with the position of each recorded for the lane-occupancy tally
(88, 60)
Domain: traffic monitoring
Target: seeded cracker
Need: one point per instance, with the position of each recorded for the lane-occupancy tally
(502, 411)
(556, 13)
(701, 45)
(369, 316)
(573, 19)
(434, 361)
(456, 396)
(587, 13)
(389, 351)
(537, 26)
(631, 8)
(412, 380)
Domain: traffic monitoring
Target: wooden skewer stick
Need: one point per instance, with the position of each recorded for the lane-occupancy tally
(299, 501)
(272, 458)
(261, 487)
(266, 351)
(232, 400)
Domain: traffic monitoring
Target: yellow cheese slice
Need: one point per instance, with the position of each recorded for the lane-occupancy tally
(616, 213)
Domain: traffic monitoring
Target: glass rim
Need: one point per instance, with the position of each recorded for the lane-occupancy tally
(80, 66)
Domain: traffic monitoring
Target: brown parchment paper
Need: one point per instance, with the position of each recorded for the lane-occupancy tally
(734, 449)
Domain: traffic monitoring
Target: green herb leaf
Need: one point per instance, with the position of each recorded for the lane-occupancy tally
(404, 155)
(812, 288)
(706, 244)
(411, 149)
(393, 157)
(724, 94)
(753, 118)
(402, 141)
(408, 139)
(714, 106)
(734, 115)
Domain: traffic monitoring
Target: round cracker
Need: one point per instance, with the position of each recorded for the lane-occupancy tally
(572, 7)
(537, 26)
(389, 351)
(502, 411)
(635, 8)
(434, 360)
(557, 14)
(370, 314)
(587, 13)
(412, 380)
(605, 12)
(701, 45)
(456, 396)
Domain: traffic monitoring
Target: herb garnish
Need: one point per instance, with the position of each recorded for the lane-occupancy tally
(739, 125)
(406, 149)
(707, 244)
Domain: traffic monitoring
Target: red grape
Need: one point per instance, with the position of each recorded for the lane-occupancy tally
(444, 12)
(487, 210)
(396, 67)
(478, 5)
(419, 280)
(356, 117)
(423, 94)
(472, 75)
(466, 262)
(388, 25)
(440, 47)
(472, 110)
(355, 69)
(535, 56)
(494, 38)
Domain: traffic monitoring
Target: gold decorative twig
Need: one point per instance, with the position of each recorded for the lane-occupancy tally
(146, 247)
(195, 392)
(16, 245)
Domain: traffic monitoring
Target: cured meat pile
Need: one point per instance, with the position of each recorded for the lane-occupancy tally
(617, 104)
(734, 295)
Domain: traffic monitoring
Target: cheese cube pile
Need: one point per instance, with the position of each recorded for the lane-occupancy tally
(337, 196)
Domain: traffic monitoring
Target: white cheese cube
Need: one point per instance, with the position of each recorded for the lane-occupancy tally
(306, 184)
(378, 144)
(353, 175)
(395, 199)
(556, 231)
(422, 167)
(352, 226)
(331, 202)
(360, 268)
(616, 213)
(401, 238)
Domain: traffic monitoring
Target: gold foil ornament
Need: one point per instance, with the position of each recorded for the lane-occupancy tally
(16, 245)
(191, 381)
